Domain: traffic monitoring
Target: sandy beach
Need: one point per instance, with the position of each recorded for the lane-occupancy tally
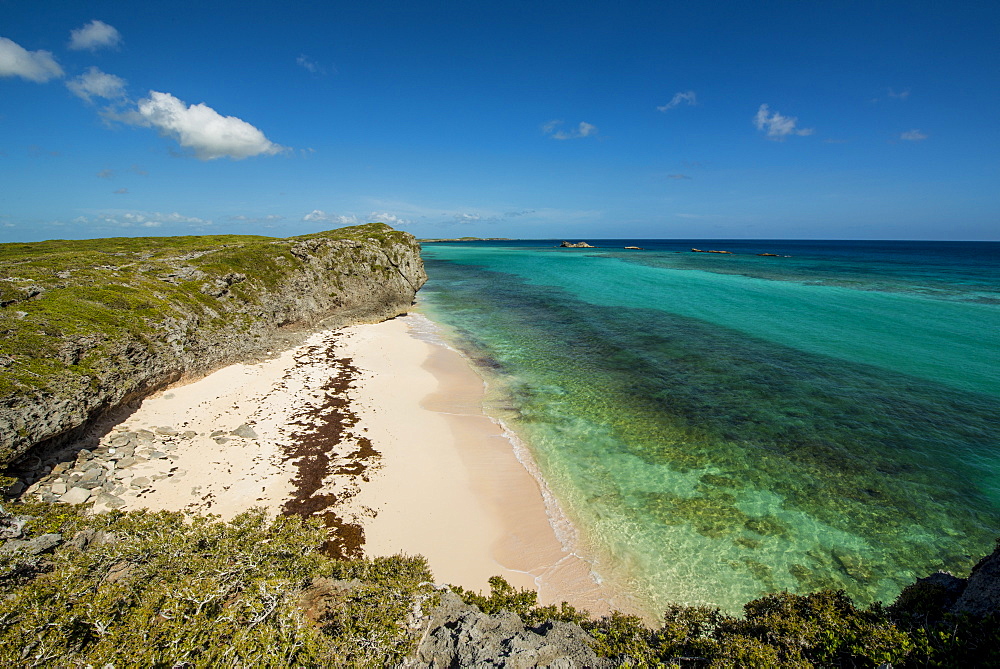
(378, 430)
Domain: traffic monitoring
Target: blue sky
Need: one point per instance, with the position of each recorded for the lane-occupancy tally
(822, 120)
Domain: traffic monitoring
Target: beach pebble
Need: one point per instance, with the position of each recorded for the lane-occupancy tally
(75, 495)
(109, 500)
(245, 431)
(141, 482)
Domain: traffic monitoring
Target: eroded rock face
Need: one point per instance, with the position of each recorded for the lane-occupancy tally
(981, 596)
(460, 635)
(197, 314)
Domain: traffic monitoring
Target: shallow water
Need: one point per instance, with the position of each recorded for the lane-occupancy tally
(719, 426)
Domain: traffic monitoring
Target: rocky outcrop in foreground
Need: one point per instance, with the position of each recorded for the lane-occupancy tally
(88, 326)
(460, 635)
(978, 595)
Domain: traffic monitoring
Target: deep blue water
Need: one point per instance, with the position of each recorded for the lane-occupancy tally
(723, 425)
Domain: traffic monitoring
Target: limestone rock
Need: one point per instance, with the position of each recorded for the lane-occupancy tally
(931, 596)
(981, 596)
(11, 526)
(77, 495)
(245, 431)
(109, 500)
(35, 546)
(578, 245)
(460, 635)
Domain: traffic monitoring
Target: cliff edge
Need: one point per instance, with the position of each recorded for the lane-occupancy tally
(87, 326)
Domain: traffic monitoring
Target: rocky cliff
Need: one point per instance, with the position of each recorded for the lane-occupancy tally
(87, 326)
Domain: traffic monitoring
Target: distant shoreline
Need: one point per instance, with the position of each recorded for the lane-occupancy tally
(468, 239)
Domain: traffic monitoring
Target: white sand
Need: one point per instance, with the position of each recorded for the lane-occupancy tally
(447, 486)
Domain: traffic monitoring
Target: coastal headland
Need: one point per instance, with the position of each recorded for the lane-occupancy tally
(90, 326)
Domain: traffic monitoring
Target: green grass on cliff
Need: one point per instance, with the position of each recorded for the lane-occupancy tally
(64, 303)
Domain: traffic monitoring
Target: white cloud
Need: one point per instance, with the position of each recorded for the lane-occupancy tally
(386, 217)
(487, 217)
(913, 136)
(94, 83)
(308, 64)
(903, 95)
(16, 61)
(121, 191)
(584, 129)
(139, 219)
(320, 216)
(687, 97)
(776, 125)
(156, 219)
(678, 176)
(200, 128)
(93, 36)
(270, 218)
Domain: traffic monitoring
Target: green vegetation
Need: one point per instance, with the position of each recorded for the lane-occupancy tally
(172, 589)
(504, 597)
(821, 629)
(165, 589)
(66, 304)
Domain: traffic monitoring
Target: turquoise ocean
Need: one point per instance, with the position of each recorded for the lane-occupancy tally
(719, 426)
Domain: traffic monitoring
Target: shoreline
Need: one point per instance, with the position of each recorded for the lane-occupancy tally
(472, 509)
(377, 429)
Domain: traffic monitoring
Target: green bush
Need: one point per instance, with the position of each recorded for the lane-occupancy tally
(505, 597)
(169, 589)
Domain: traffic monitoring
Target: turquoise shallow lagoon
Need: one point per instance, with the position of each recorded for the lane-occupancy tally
(718, 426)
